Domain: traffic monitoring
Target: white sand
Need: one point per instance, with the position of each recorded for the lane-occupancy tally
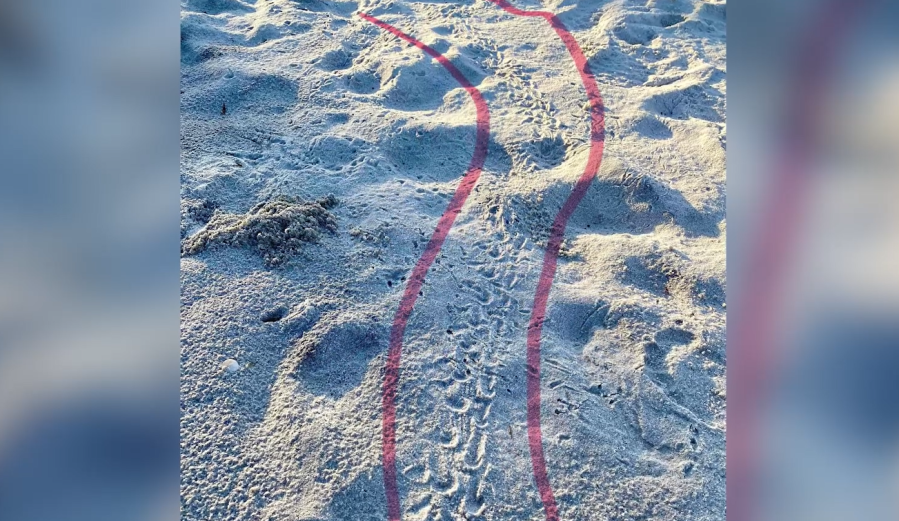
(321, 102)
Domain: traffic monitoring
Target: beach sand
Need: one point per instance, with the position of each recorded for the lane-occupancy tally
(319, 152)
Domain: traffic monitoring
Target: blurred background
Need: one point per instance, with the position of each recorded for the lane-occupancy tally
(813, 335)
(89, 260)
(89, 242)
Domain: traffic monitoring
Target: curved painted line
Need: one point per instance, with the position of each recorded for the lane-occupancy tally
(416, 280)
(550, 257)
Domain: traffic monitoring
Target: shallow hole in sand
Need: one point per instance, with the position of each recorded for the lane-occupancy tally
(274, 315)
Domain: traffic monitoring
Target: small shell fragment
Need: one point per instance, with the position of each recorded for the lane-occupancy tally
(230, 365)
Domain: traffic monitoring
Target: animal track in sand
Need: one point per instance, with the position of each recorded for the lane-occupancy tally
(479, 293)
(416, 280)
(548, 271)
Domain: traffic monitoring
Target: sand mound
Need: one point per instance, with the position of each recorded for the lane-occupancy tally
(277, 229)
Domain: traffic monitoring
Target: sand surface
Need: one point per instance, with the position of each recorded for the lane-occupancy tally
(285, 104)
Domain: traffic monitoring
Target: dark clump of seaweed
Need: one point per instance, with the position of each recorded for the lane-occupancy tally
(275, 229)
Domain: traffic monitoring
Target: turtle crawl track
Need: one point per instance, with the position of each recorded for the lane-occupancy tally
(547, 274)
(416, 280)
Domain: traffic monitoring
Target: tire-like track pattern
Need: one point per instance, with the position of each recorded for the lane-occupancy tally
(416, 280)
(550, 258)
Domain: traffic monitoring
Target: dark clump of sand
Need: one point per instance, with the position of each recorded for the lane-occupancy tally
(195, 212)
(276, 229)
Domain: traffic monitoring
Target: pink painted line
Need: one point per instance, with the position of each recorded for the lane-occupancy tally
(415, 282)
(550, 258)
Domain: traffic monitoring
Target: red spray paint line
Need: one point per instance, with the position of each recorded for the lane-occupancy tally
(416, 280)
(550, 258)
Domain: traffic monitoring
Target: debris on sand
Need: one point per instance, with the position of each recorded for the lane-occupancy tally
(230, 366)
(276, 229)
